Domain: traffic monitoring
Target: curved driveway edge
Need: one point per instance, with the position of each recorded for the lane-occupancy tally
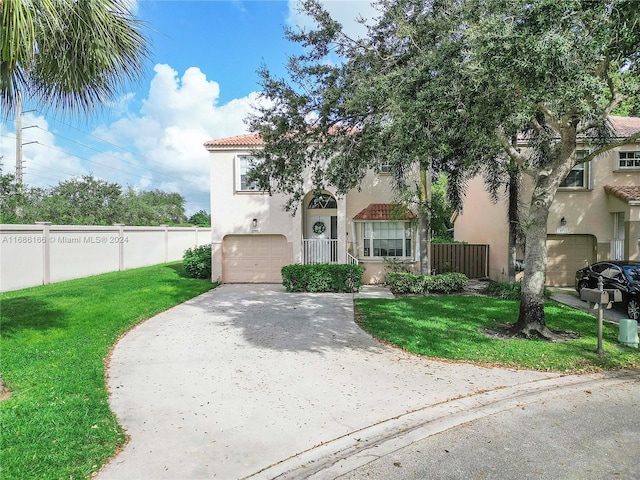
(245, 377)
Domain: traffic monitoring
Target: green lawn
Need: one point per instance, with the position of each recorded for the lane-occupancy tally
(452, 327)
(57, 424)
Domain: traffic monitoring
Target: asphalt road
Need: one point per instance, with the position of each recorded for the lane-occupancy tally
(594, 434)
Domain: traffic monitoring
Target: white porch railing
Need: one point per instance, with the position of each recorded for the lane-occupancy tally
(617, 249)
(319, 250)
(351, 260)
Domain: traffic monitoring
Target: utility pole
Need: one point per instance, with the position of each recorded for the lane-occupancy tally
(19, 139)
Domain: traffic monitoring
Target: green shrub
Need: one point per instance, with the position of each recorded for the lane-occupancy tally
(197, 261)
(403, 283)
(446, 282)
(392, 264)
(409, 283)
(322, 277)
(508, 291)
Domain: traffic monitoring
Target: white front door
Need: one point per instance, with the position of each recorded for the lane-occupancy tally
(319, 226)
(319, 235)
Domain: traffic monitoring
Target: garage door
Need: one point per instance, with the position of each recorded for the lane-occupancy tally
(254, 258)
(565, 255)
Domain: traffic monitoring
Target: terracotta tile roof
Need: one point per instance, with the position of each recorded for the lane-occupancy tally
(625, 126)
(621, 127)
(385, 211)
(246, 140)
(251, 139)
(626, 193)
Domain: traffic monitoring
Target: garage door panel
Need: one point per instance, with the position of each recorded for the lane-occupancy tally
(565, 255)
(254, 258)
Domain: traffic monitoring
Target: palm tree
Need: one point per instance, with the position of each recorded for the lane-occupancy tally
(69, 54)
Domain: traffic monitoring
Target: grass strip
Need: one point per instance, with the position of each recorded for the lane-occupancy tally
(57, 423)
(453, 327)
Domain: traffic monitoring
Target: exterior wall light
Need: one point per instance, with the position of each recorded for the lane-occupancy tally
(563, 221)
(254, 223)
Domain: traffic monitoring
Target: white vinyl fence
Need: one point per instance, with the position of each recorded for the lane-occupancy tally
(42, 253)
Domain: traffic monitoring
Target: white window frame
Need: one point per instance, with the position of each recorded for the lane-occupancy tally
(241, 169)
(585, 167)
(630, 156)
(370, 236)
(385, 168)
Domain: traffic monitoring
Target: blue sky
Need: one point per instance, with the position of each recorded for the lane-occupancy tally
(199, 84)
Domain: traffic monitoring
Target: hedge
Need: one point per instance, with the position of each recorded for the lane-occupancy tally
(409, 283)
(197, 261)
(322, 277)
(508, 291)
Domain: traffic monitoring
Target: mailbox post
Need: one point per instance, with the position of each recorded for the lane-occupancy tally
(599, 297)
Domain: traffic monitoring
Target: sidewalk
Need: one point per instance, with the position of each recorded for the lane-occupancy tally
(568, 296)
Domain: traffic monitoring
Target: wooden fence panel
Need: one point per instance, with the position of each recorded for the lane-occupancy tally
(472, 260)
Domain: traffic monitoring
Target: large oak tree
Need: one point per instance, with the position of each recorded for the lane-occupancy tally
(449, 85)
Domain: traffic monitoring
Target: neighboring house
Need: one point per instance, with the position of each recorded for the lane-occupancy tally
(253, 237)
(595, 215)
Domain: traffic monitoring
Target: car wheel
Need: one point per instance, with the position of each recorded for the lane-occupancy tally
(633, 308)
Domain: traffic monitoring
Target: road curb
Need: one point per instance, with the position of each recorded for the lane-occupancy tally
(346, 453)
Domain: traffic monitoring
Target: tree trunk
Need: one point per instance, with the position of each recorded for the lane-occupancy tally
(424, 220)
(514, 220)
(531, 318)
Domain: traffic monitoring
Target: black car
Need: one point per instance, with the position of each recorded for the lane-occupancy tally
(624, 276)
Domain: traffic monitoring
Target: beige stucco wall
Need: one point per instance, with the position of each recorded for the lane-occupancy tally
(590, 211)
(586, 211)
(374, 189)
(232, 211)
(483, 222)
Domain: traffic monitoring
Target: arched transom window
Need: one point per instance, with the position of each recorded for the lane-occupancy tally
(324, 200)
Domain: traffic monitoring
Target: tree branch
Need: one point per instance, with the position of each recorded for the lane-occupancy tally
(615, 101)
(611, 146)
(510, 150)
(549, 117)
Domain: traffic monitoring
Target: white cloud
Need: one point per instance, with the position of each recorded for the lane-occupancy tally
(121, 105)
(179, 114)
(344, 11)
(158, 147)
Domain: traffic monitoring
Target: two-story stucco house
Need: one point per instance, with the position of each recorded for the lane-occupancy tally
(595, 215)
(253, 237)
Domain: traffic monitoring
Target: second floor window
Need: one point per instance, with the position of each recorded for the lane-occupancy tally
(385, 167)
(629, 159)
(245, 164)
(579, 176)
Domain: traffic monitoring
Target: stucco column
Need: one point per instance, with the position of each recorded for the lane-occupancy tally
(297, 234)
(342, 230)
(120, 245)
(46, 253)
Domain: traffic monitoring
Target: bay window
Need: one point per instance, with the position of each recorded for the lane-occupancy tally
(387, 239)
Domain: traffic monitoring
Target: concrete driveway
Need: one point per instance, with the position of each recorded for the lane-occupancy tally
(247, 381)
